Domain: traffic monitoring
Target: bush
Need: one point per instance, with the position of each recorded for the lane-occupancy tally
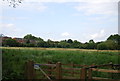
(102, 46)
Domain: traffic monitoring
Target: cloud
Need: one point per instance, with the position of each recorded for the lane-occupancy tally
(65, 34)
(105, 8)
(17, 18)
(13, 18)
(89, 7)
(98, 35)
(9, 29)
(62, 1)
(6, 26)
(32, 6)
(25, 5)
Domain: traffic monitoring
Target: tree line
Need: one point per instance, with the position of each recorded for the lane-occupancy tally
(112, 43)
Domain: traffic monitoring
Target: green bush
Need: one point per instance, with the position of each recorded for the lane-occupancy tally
(102, 46)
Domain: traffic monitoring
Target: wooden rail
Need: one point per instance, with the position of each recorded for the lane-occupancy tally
(103, 79)
(105, 70)
(69, 71)
(72, 69)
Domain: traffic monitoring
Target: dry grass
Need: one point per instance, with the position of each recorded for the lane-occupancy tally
(67, 49)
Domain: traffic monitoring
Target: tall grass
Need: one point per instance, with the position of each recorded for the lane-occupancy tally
(14, 59)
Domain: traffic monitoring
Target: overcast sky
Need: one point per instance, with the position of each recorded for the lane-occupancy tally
(80, 20)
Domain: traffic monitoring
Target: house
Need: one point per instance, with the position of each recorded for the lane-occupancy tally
(2, 39)
(20, 40)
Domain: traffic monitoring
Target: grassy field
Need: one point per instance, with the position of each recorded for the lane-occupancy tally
(14, 58)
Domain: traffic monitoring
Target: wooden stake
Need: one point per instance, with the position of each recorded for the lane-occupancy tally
(83, 74)
(58, 71)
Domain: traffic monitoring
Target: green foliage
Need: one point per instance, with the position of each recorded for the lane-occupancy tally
(115, 37)
(64, 44)
(11, 42)
(102, 46)
(76, 44)
(91, 45)
(112, 43)
(108, 45)
(31, 37)
(84, 46)
(91, 41)
(33, 41)
(69, 41)
(50, 43)
(41, 44)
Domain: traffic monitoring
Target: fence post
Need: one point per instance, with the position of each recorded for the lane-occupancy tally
(50, 72)
(73, 69)
(30, 72)
(111, 67)
(83, 74)
(58, 71)
(89, 74)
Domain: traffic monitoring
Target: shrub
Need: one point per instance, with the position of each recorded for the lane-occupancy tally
(102, 46)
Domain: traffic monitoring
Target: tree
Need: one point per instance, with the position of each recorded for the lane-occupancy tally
(31, 37)
(64, 44)
(41, 44)
(108, 45)
(102, 46)
(76, 44)
(28, 42)
(111, 45)
(84, 45)
(115, 37)
(70, 41)
(33, 41)
(14, 3)
(10, 42)
(50, 43)
(91, 41)
(91, 44)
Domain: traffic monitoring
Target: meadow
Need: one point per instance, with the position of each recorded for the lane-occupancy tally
(14, 58)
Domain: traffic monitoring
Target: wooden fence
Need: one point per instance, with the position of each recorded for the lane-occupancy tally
(69, 71)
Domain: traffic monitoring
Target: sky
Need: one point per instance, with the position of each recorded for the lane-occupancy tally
(57, 20)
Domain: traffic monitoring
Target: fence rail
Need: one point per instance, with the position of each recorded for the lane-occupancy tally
(69, 71)
(105, 70)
